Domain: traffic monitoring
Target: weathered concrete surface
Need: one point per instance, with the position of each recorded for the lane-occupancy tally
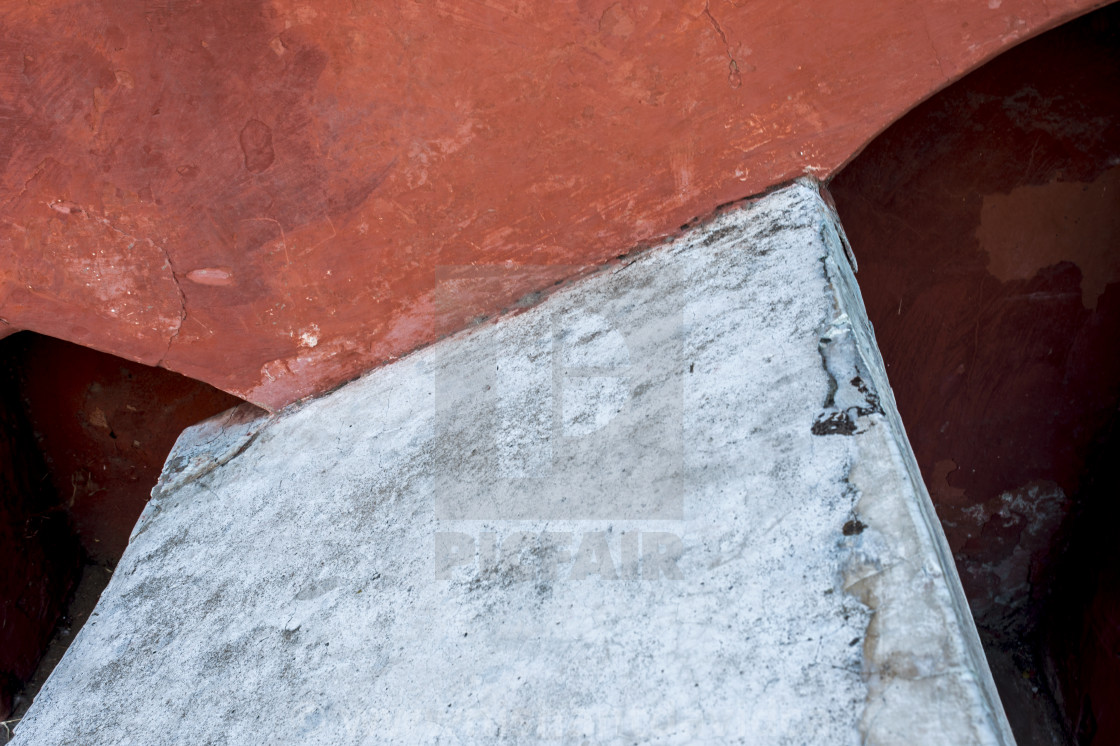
(256, 193)
(672, 503)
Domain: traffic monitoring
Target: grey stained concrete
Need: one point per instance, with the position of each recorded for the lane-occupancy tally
(672, 503)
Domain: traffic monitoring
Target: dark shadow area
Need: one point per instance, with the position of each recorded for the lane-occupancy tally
(83, 438)
(987, 227)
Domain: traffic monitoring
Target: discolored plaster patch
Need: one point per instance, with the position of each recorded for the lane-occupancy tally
(1039, 225)
(920, 645)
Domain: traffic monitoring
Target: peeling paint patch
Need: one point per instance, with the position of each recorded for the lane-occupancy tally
(213, 276)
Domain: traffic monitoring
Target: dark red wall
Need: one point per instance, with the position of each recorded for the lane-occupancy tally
(84, 438)
(39, 560)
(987, 227)
(105, 426)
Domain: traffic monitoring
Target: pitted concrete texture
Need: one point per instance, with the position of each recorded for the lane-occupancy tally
(672, 503)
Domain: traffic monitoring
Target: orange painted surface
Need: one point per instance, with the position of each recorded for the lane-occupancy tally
(261, 194)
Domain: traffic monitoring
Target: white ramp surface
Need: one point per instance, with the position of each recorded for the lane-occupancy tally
(671, 503)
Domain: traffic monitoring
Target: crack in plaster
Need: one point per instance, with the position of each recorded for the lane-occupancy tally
(208, 445)
(170, 265)
(27, 182)
(933, 46)
(182, 305)
(734, 77)
(221, 460)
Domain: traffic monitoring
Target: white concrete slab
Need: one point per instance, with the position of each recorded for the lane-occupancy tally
(672, 503)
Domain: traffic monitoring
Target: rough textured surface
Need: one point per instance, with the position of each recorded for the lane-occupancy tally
(719, 569)
(259, 193)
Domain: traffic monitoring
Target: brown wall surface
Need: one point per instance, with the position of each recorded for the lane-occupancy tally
(987, 227)
(39, 560)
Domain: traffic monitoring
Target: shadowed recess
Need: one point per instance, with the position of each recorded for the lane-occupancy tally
(987, 227)
(84, 438)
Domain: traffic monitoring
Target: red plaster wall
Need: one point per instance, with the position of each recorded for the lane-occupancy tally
(259, 193)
